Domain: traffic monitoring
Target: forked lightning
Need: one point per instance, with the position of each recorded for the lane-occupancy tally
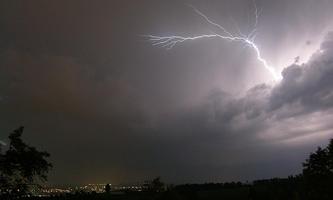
(170, 41)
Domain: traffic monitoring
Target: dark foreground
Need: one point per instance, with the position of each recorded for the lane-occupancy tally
(291, 188)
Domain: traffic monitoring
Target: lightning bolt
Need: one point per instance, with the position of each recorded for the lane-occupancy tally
(169, 42)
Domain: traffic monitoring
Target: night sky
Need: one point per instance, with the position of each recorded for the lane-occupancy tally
(111, 107)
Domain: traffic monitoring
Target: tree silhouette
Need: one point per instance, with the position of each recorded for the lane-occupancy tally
(107, 188)
(21, 166)
(318, 173)
(157, 185)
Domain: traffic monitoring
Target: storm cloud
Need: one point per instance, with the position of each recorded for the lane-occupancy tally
(109, 107)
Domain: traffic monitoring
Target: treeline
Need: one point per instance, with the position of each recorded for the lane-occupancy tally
(277, 188)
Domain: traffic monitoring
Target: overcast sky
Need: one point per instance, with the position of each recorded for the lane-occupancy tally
(111, 107)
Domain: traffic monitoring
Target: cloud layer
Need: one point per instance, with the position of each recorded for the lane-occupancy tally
(111, 108)
(304, 93)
